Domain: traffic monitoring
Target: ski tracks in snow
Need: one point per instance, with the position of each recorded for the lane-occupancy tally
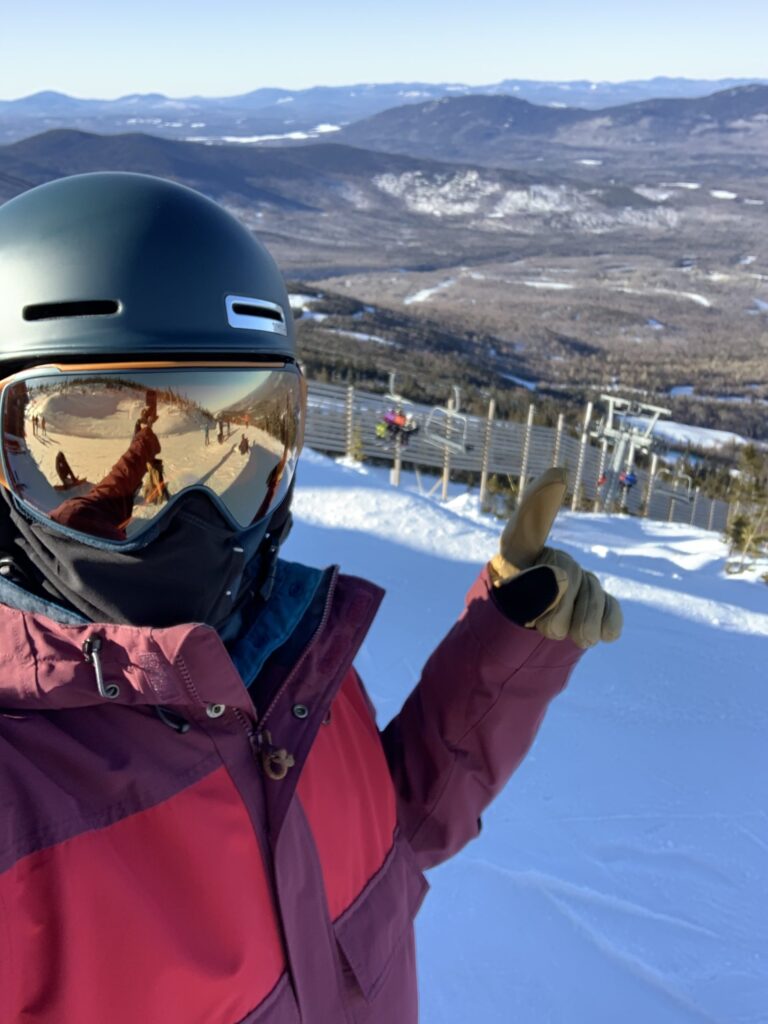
(565, 897)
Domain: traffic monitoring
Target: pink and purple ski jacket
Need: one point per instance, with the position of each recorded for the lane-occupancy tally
(215, 862)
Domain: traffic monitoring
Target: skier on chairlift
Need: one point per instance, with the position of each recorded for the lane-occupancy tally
(396, 425)
(627, 478)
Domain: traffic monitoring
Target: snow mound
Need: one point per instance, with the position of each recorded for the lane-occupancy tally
(113, 414)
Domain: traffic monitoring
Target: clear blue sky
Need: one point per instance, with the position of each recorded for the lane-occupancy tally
(105, 48)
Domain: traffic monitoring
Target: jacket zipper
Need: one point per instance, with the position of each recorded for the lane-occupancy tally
(275, 761)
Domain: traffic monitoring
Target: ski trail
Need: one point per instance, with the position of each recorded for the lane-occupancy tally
(755, 839)
(557, 892)
(632, 964)
(585, 894)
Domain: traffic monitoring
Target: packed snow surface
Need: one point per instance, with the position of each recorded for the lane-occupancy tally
(556, 286)
(684, 434)
(426, 293)
(656, 195)
(302, 302)
(362, 336)
(531, 385)
(700, 300)
(621, 876)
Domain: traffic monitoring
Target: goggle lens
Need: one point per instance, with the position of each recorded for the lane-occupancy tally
(104, 450)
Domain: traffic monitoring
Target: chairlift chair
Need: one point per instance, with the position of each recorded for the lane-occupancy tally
(386, 437)
(446, 427)
(684, 493)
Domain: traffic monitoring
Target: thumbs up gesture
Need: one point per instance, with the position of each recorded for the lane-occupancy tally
(543, 588)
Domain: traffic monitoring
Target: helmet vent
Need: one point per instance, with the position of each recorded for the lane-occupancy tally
(255, 314)
(244, 310)
(63, 310)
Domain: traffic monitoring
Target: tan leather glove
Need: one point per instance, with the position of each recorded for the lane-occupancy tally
(580, 608)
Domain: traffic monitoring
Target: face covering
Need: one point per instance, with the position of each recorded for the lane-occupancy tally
(193, 568)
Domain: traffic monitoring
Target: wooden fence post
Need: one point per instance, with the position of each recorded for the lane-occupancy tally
(486, 451)
(576, 497)
(526, 452)
(558, 439)
(350, 420)
(447, 452)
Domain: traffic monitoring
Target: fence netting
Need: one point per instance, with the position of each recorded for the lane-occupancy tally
(342, 420)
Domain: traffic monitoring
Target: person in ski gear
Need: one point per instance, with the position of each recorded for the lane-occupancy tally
(155, 487)
(108, 505)
(202, 821)
(395, 426)
(627, 478)
(64, 470)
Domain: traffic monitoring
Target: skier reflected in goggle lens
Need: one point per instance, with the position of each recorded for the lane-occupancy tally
(104, 450)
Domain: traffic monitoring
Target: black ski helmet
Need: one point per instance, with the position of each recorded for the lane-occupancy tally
(114, 265)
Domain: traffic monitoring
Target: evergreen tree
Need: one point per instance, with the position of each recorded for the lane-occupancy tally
(748, 527)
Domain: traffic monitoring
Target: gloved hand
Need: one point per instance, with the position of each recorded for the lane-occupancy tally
(546, 587)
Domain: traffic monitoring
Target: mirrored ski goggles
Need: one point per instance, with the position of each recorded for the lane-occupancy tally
(104, 450)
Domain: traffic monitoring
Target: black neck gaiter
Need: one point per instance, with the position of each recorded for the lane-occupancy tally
(196, 568)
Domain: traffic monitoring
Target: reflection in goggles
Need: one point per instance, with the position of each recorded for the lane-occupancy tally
(103, 452)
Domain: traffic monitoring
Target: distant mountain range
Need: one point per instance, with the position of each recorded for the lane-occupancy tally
(307, 112)
(505, 131)
(335, 203)
(589, 246)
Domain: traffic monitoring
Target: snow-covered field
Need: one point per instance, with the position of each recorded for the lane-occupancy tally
(622, 877)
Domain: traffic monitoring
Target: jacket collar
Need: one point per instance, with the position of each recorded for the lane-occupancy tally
(43, 664)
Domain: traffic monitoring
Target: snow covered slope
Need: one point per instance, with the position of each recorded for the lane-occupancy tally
(622, 876)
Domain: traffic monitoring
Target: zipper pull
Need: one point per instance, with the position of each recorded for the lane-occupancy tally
(276, 762)
(92, 653)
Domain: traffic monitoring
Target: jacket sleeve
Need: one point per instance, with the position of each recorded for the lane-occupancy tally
(470, 722)
(110, 502)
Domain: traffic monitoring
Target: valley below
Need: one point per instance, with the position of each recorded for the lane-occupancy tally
(574, 252)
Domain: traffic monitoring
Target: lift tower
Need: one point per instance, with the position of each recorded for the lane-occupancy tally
(626, 428)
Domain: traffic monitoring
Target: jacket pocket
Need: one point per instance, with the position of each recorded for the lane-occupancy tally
(371, 930)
